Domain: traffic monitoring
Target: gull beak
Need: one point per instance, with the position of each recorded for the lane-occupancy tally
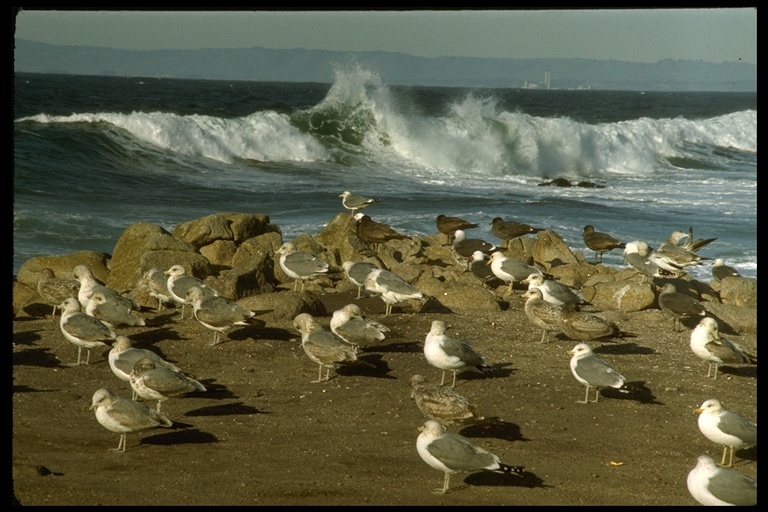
(698, 410)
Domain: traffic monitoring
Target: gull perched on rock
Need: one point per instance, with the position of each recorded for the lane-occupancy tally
(552, 291)
(451, 354)
(89, 284)
(509, 269)
(452, 453)
(448, 225)
(323, 347)
(54, 290)
(301, 266)
(155, 283)
(441, 403)
(349, 324)
(356, 272)
(121, 415)
(123, 356)
(373, 233)
(153, 381)
(508, 230)
(392, 288)
(729, 429)
(354, 202)
(479, 266)
(711, 485)
(599, 242)
(593, 371)
(541, 313)
(640, 256)
(720, 270)
(682, 255)
(585, 326)
(217, 313)
(707, 343)
(179, 283)
(83, 330)
(112, 312)
(463, 247)
(678, 305)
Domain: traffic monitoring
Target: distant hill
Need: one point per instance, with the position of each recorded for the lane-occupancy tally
(300, 65)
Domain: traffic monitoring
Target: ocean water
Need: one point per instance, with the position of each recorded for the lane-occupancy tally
(94, 154)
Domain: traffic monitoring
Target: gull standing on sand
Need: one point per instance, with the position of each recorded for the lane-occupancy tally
(392, 288)
(301, 266)
(152, 381)
(678, 305)
(708, 345)
(217, 313)
(441, 403)
(448, 225)
(452, 453)
(354, 202)
(509, 269)
(83, 330)
(451, 354)
(585, 326)
(541, 313)
(552, 291)
(89, 284)
(112, 312)
(356, 272)
(349, 324)
(179, 283)
(711, 485)
(54, 290)
(650, 263)
(599, 242)
(593, 371)
(123, 356)
(120, 415)
(729, 429)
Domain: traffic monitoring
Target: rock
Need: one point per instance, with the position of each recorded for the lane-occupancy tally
(62, 266)
(550, 250)
(236, 227)
(739, 291)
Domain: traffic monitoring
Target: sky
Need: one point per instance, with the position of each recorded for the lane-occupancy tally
(634, 35)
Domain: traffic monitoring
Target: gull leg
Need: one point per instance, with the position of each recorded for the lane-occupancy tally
(586, 398)
(442, 380)
(446, 483)
(88, 356)
(597, 394)
(120, 444)
(454, 379)
(725, 452)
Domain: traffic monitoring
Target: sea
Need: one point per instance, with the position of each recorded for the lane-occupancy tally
(95, 154)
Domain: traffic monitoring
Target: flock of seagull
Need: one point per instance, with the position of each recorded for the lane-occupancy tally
(91, 312)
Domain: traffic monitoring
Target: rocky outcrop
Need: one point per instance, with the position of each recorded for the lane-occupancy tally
(236, 255)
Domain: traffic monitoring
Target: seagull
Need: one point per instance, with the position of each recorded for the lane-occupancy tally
(349, 324)
(217, 313)
(111, 312)
(711, 485)
(448, 225)
(123, 356)
(507, 230)
(463, 247)
(707, 343)
(156, 285)
(452, 453)
(593, 371)
(552, 291)
(324, 347)
(451, 354)
(374, 233)
(678, 305)
(541, 313)
(720, 270)
(640, 256)
(152, 381)
(480, 268)
(301, 266)
(179, 283)
(53, 290)
(682, 255)
(356, 272)
(585, 326)
(441, 403)
(729, 429)
(89, 285)
(121, 415)
(392, 288)
(509, 269)
(354, 203)
(690, 243)
(599, 242)
(83, 330)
